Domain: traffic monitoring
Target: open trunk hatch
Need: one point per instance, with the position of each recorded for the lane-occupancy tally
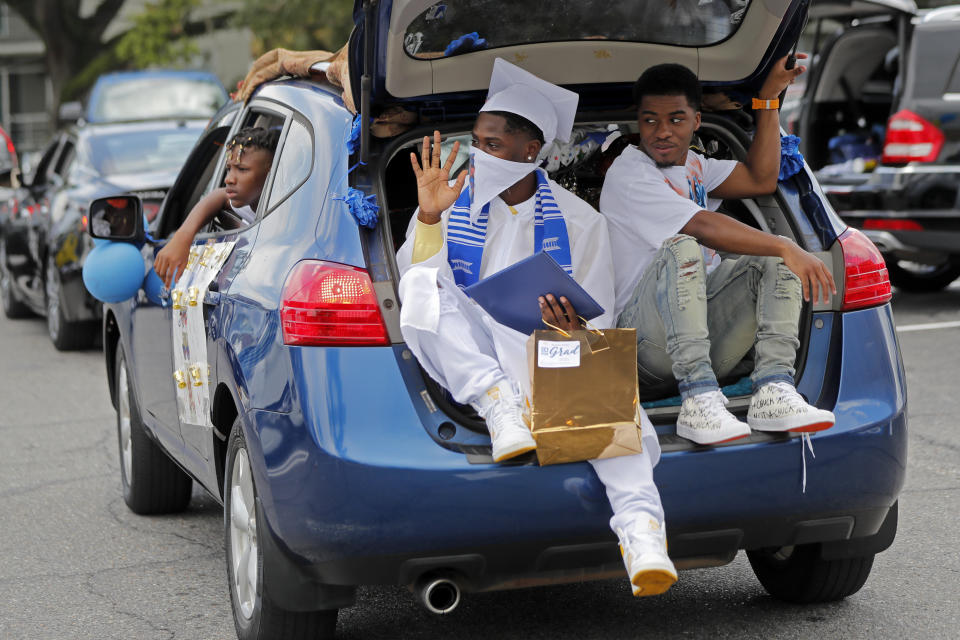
(423, 48)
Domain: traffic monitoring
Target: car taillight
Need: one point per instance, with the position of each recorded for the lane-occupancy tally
(910, 138)
(891, 224)
(866, 281)
(326, 303)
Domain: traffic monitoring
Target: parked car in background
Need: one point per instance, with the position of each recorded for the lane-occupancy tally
(339, 463)
(43, 244)
(149, 95)
(879, 120)
(9, 178)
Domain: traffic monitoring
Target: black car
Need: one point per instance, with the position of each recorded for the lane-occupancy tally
(43, 244)
(879, 121)
(9, 177)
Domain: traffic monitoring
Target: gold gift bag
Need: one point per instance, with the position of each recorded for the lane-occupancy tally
(584, 394)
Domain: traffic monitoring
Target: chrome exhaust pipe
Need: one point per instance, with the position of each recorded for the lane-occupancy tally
(440, 595)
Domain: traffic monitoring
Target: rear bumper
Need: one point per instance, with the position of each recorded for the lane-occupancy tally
(357, 492)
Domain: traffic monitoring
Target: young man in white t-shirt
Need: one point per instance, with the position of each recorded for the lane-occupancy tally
(696, 315)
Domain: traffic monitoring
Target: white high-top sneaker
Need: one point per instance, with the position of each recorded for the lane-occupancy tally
(502, 409)
(705, 420)
(644, 550)
(777, 406)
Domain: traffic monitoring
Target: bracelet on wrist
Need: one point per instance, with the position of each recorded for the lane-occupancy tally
(762, 104)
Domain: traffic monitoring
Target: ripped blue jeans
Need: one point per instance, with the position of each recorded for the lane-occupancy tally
(693, 327)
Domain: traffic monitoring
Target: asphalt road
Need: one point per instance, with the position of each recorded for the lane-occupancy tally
(75, 563)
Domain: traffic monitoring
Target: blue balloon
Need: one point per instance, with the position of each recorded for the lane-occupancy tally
(113, 272)
(152, 286)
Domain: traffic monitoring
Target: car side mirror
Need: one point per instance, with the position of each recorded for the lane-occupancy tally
(119, 219)
(70, 112)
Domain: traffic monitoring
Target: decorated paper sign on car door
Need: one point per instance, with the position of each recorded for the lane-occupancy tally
(191, 370)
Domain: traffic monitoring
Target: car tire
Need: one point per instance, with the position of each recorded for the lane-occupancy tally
(65, 335)
(933, 278)
(798, 574)
(12, 308)
(255, 615)
(152, 482)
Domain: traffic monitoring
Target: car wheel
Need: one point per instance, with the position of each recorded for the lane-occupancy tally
(12, 308)
(922, 278)
(66, 336)
(254, 614)
(799, 574)
(152, 483)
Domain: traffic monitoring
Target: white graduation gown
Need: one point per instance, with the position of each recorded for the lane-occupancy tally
(461, 347)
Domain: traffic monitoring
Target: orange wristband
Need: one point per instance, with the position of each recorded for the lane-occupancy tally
(766, 104)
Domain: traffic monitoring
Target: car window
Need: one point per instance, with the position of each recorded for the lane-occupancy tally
(142, 150)
(293, 164)
(65, 158)
(39, 175)
(8, 159)
(147, 98)
(459, 26)
(256, 116)
(192, 182)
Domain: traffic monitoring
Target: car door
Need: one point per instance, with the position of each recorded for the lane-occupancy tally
(17, 233)
(45, 183)
(232, 246)
(151, 322)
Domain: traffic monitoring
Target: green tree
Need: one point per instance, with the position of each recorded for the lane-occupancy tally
(297, 24)
(72, 41)
(159, 35)
(76, 52)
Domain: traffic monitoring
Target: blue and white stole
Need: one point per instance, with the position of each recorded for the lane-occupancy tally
(465, 239)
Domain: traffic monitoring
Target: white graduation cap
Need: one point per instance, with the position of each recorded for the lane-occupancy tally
(546, 105)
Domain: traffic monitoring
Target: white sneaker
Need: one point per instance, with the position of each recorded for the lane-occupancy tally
(777, 406)
(644, 550)
(502, 410)
(705, 420)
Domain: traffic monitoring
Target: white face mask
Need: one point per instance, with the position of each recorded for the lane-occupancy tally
(490, 176)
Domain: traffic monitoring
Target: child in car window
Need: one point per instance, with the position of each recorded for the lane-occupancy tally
(250, 154)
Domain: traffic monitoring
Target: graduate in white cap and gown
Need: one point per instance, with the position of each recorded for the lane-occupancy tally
(502, 210)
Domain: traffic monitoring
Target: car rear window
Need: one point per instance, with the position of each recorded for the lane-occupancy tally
(454, 27)
(157, 98)
(136, 151)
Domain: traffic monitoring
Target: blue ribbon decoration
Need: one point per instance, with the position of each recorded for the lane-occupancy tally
(364, 208)
(465, 44)
(791, 160)
(353, 142)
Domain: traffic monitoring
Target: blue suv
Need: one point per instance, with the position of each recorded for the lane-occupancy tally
(285, 389)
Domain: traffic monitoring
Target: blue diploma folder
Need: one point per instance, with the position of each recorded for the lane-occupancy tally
(510, 295)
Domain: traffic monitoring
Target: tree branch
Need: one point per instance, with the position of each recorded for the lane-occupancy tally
(103, 16)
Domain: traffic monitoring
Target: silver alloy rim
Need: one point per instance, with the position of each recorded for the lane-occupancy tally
(53, 300)
(123, 413)
(243, 534)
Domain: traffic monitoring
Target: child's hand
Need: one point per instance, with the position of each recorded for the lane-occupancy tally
(172, 259)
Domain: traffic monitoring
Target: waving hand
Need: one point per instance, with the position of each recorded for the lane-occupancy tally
(434, 194)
